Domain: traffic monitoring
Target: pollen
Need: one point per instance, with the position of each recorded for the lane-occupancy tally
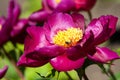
(58, 1)
(69, 37)
(0, 27)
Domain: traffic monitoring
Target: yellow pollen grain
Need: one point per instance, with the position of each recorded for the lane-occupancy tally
(68, 38)
(57, 1)
(0, 27)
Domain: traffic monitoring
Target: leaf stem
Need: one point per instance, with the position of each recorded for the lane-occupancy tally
(85, 76)
(70, 78)
(80, 73)
(90, 15)
(58, 75)
(14, 64)
(112, 74)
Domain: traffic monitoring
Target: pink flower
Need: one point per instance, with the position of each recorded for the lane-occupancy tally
(65, 43)
(70, 5)
(11, 27)
(50, 6)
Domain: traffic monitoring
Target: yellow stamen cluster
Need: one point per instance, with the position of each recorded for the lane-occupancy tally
(0, 27)
(68, 38)
(58, 1)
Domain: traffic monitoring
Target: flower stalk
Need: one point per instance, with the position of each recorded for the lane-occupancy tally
(18, 71)
(85, 76)
(89, 15)
(112, 74)
(70, 78)
(80, 73)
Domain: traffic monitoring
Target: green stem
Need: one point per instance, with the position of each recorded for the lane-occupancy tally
(90, 15)
(80, 73)
(85, 76)
(70, 78)
(14, 64)
(103, 69)
(108, 71)
(112, 74)
(58, 75)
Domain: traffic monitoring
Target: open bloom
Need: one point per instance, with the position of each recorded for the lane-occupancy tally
(50, 6)
(64, 42)
(12, 26)
(3, 71)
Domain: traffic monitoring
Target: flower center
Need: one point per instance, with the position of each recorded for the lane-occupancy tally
(58, 1)
(68, 38)
(0, 27)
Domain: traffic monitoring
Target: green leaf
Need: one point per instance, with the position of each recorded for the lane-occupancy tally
(30, 73)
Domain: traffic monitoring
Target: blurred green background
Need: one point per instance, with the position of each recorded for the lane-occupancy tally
(102, 7)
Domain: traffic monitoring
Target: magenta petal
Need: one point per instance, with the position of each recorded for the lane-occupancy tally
(3, 71)
(76, 52)
(60, 21)
(11, 8)
(39, 16)
(56, 22)
(24, 61)
(84, 4)
(78, 20)
(88, 39)
(46, 6)
(65, 6)
(16, 12)
(19, 27)
(82, 48)
(13, 11)
(103, 55)
(2, 20)
(62, 63)
(47, 52)
(102, 28)
(19, 32)
(51, 3)
(3, 32)
(112, 23)
(35, 39)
